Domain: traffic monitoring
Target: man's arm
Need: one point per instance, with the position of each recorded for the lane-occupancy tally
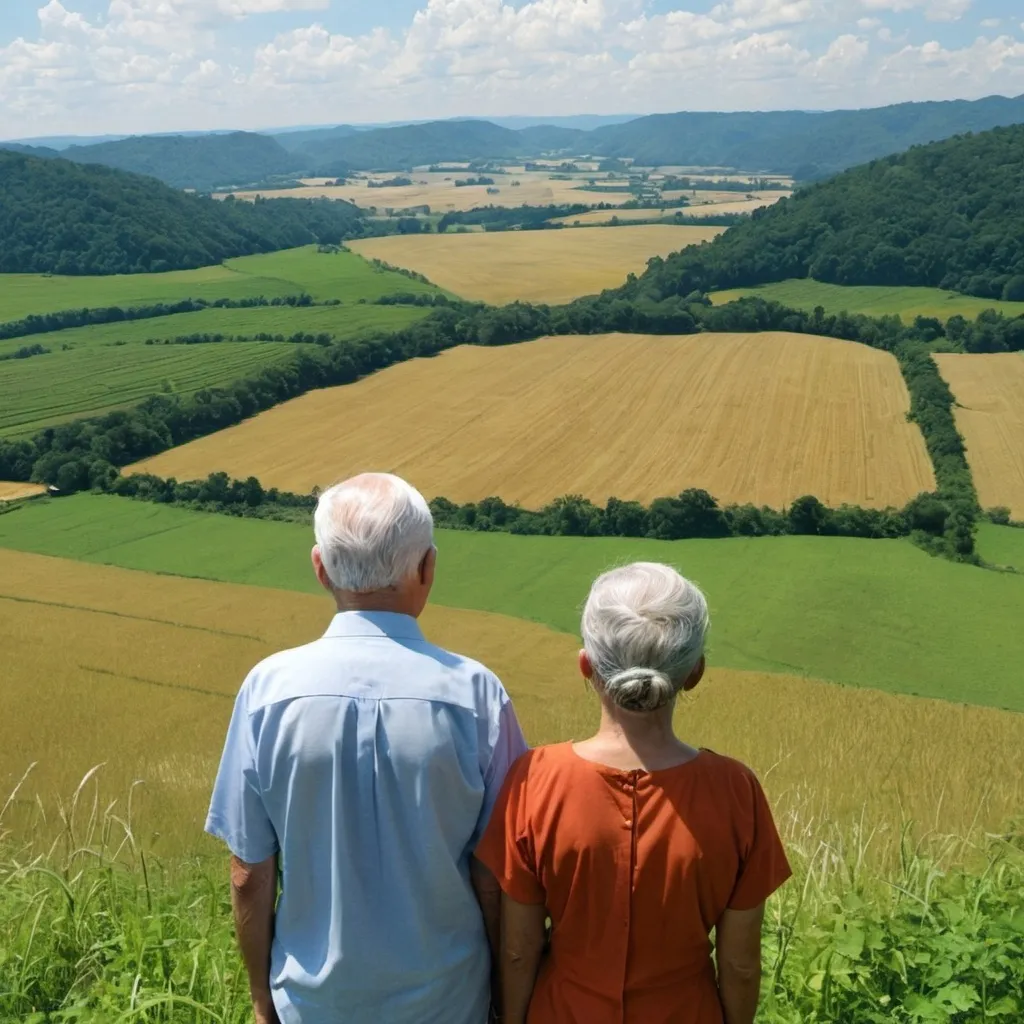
(253, 897)
(522, 948)
(738, 952)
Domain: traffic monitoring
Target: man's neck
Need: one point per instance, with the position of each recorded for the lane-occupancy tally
(379, 601)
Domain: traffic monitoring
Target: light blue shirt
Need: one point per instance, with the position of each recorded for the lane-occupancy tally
(370, 761)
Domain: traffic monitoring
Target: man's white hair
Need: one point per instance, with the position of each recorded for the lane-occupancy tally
(372, 531)
(644, 629)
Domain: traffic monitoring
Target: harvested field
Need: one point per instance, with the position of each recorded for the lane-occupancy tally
(534, 266)
(148, 667)
(760, 418)
(12, 491)
(989, 392)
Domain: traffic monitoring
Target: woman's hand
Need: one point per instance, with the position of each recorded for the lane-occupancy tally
(523, 938)
(738, 953)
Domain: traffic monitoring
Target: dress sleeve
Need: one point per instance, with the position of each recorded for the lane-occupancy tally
(763, 863)
(506, 847)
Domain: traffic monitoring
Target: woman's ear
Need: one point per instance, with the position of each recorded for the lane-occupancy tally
(586, 668)
(696, 675)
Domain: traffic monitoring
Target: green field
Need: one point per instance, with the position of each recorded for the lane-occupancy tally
(861, 612)
(50, 389)
(872, 300)
(342, 276)
(345, 321)
(1001, 545)
(89, 370)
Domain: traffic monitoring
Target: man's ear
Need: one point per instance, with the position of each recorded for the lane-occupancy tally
(318, 568)
(696, 675)
(427, 567)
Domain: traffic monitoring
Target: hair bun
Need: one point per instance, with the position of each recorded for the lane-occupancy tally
(640, 689)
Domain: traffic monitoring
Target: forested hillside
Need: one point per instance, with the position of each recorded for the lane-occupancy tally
(62, 218)
(948, 215)
(806, 145)
(204, 162)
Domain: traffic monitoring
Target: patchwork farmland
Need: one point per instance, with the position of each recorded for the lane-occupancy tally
(761, 418)
(533, 266)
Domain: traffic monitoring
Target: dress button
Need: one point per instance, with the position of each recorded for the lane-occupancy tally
(629, 821)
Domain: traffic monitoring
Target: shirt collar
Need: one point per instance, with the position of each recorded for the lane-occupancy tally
(389, 624)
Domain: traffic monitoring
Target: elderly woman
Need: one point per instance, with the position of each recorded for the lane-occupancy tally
(635, 844)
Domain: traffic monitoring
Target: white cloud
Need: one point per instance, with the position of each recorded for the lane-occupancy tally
(843, 55)
(151, 65)
(933, 10)
(991, 22)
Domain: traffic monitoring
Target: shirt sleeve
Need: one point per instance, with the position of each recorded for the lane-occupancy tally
(506, 848)
(508, 746)
(763, 863)
(237, 812)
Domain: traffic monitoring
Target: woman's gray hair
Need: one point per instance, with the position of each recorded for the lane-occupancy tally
(644, 629)
(372, 531)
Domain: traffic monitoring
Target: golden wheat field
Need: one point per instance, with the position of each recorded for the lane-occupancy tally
(760, 418)
(989, 391)
(11, 491)
(138, 672)
(534, 266)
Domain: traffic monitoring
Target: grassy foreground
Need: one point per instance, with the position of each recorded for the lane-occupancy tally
(868, 613)
(92, 930)
(872, 300)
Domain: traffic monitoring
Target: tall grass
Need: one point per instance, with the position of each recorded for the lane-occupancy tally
(94, 929)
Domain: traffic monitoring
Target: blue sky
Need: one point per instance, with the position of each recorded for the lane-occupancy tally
(96, 66)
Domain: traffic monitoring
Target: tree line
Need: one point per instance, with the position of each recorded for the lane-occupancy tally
(45, 323)
(694, 513)
(88, 453)
(948, 215)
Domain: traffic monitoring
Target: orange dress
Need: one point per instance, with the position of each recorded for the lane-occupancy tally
(634, 869)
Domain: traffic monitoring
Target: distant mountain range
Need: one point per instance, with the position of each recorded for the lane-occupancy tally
(807, 145)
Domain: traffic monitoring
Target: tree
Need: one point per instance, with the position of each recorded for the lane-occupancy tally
(807, 515)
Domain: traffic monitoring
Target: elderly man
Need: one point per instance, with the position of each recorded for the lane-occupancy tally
(364, 767)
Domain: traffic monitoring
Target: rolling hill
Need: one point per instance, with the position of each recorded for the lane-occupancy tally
(61, 218)
(204, 162)
(949, 215)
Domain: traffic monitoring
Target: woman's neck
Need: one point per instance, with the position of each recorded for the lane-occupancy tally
(636, 740)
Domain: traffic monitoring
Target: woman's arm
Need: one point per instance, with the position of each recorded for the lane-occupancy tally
(738, 952)
(522, 946)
